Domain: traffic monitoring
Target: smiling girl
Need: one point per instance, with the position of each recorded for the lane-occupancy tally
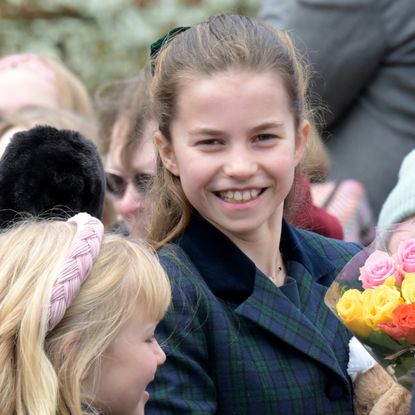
(249, 331)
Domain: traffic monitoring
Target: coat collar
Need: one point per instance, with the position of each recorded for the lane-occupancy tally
(228, 272)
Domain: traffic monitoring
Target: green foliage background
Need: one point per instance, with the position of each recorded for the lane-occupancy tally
(101, 40)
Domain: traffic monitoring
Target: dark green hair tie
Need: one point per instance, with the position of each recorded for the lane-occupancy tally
(157, 45)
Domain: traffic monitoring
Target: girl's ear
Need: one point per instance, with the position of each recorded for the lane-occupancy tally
(165, 150)
(301, 140)
(69, 346)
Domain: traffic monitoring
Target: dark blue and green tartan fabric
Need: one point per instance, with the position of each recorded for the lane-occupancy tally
(237, 344)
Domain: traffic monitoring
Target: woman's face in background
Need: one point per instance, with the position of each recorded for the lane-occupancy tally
(129, 201)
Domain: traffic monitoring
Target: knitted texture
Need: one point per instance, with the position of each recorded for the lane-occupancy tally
(77, 265)
(400, 204)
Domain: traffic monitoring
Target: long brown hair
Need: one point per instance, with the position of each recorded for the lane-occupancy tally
(223, 43)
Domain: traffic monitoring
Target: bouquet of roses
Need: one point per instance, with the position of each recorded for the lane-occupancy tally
(374, 296)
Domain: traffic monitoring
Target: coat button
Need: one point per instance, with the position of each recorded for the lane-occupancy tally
(334, 392)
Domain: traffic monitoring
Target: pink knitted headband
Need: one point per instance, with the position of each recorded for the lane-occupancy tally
(82, 254)
(30, 62)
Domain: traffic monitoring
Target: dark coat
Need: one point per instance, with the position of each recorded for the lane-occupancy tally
(238, 344)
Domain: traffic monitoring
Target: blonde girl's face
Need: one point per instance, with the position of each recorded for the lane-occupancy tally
(126, 368)
(235, 148)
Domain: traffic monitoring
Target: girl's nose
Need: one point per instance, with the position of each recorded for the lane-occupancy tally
(161, 356)
(240, 164)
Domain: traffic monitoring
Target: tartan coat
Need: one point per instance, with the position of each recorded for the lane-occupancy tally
(238, 344)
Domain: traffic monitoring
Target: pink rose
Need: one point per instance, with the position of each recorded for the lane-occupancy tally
(406, 255)
(378, 266)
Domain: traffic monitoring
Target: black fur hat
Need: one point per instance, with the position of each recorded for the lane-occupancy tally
(46, 172)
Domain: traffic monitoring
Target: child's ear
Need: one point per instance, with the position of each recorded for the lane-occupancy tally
(165, 150)
(301, 140)
(70, 344)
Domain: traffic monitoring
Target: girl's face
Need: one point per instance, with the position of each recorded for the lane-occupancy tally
(118, 383)
(235, 148)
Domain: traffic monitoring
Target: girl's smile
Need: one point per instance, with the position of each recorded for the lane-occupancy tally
(239, 196)
(240, 200)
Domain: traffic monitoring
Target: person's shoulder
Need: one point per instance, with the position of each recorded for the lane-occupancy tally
(326, 256)
(189, 290)
(172, 257)
(332, 249)
(178, 266)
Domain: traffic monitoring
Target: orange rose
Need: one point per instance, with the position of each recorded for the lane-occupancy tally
(402, 325)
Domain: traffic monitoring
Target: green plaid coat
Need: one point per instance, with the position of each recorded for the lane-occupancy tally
(237, 344)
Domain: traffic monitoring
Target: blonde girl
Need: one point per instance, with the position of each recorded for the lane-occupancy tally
(77, 316)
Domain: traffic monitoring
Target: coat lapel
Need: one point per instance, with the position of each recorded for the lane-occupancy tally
(234, 278)
(301, 328)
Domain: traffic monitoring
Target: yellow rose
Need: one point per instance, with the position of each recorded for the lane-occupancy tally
(408, 288)
(379, 302)
(349, 309)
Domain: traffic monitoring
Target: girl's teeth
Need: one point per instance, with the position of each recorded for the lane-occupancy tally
(246, 195)
(239, 196)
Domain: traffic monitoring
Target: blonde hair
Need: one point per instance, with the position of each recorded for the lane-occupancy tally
(42, 374)
(222, 43)
(30, 116)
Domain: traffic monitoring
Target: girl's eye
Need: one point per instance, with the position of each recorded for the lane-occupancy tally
(265, 137)
(151, 339)
(210, 142)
